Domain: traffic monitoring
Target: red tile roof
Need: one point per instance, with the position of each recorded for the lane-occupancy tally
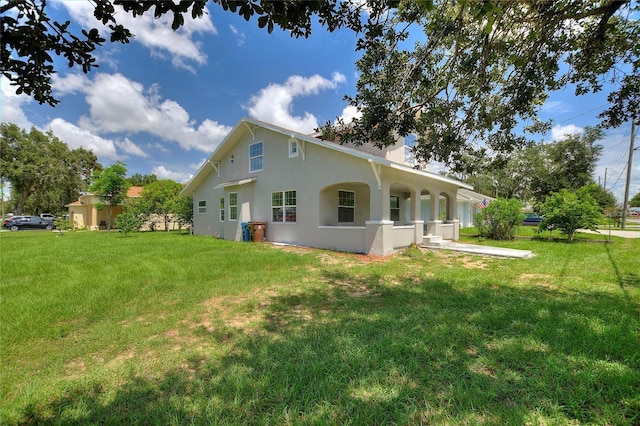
(134, 191)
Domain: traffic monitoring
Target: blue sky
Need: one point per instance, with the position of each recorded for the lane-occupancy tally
(162, 103)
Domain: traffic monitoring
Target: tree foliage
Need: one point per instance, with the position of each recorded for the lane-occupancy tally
(110, 186)
(183, 209)
(604, 197)
(44, 173)
(635, 200)
(158, 199)
(569, 211)
(461, 73)
(567, 164)
(138, 179)
(484, 68)
(500, 219)
(537, 170)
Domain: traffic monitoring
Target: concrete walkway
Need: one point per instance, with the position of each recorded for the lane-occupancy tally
(483, 250)
(614, 233)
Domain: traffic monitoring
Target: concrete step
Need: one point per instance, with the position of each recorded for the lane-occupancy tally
(434, 240)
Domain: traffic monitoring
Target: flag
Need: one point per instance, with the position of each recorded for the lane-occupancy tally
(482, 204)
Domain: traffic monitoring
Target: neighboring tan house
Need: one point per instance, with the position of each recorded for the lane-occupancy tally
(320, 194)
(84, 214)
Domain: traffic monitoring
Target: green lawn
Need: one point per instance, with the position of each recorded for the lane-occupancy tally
(160, 328)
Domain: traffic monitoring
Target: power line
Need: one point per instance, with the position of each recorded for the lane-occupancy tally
(584, 113)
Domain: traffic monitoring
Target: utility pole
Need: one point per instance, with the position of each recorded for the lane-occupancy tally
(629, 167)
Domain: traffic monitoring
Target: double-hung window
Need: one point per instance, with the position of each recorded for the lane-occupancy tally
(346, 206)
(233, 206)
(395, 208)
(255, 157)
(284, 206)
(202, 206)
(293, 148)
(221, 207)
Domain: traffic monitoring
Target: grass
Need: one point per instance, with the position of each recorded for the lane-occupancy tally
(163, 328)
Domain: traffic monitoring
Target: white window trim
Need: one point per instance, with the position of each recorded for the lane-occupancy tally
(293, 152)
(201, 207)
(284, 206)
(233, 205)
(347, 207)
(222, 209)
(261, 156)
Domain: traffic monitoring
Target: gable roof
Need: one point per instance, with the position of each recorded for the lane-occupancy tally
(249, 124)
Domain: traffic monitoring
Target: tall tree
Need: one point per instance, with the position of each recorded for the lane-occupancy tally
(567, 164)
(635, 200)
(159, 198)
(44, 173)
(141, 180)
(110, 186)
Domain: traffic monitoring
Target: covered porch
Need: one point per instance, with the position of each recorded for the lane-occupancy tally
(380, 219)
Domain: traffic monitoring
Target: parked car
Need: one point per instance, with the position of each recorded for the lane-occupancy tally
(28, 222)
(48, 216)
(531, 219)
(8, 219)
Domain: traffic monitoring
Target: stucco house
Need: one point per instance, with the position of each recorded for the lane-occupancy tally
(84, 214)
(321, 194)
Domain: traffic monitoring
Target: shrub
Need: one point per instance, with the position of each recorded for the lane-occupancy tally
(127, 222)
(570, 211)
(500, 219)
(62, 224)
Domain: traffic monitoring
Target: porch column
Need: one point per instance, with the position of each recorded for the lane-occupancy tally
(452, 207)
(454, 220)
(379, 203)
(416, 214)
(379, 237)
(434, 226)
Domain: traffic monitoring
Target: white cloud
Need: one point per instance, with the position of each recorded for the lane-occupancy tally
(11, 105)
(117, 104)
(69, 84)
(77, 137)
(559, 132)
(239, 35)
(349, 113)
(196, 166)
(163, 173)
(274, 103)
(556, 107)
(131, 148)
(155, 34)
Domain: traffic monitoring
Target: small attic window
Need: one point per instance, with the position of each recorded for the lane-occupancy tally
(232, 159)
(293, 148)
